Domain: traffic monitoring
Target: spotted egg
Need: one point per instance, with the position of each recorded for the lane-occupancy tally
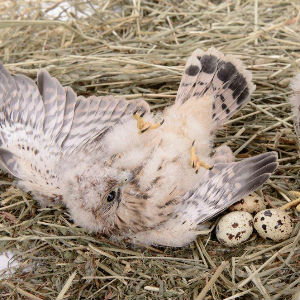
(252, 204)
(273, 224)
(234, 228)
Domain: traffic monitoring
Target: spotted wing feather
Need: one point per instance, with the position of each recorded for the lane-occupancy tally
(73, 122)
(295, 101)
(41, 123)
(95, 116)
(225, 187)
(223, 77)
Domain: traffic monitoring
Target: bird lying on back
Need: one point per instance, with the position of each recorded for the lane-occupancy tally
(116, 169)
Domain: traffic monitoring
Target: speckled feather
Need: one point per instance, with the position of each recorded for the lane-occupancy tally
(87, 152)
(226, 185)
(43, 123)
(224, 77)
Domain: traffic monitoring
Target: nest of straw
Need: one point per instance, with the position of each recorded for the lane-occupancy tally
(138, 49)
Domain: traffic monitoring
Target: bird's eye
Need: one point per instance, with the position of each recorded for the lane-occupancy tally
(111, 196)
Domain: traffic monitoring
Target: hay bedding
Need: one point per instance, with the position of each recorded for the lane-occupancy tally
(138, 49)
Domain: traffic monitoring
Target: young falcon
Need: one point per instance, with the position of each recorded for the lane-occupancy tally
(155, 185)
(295, 102)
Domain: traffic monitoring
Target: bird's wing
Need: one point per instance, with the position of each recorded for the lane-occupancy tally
(73, 122)
(41, 123)
(295, 101)
(223, 188)
(223, 77)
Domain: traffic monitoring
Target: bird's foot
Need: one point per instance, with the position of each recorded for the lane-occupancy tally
(143, 125)
(195, 162)
(295, 202)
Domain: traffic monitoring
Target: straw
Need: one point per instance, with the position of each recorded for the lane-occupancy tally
(138, 49)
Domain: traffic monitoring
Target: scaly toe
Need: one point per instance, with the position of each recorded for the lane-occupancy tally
(143, 125)
(195, 162)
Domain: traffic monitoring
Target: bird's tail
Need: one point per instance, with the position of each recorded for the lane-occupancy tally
(223, 77)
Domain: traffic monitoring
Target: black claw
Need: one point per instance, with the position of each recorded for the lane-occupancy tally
(144, 130)
(142, 114)
(197, 171)
(193, 143)
(210, 168)
(162, 122)
(193, 165)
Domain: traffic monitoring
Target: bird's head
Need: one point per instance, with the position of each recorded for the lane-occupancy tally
(94, 196)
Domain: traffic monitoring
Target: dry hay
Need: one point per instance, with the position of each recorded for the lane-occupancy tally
(138, 49)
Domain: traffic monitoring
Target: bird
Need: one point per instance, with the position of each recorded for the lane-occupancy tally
(119, 170)
(295, 103)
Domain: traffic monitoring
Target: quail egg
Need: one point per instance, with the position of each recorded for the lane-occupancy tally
(234, 228)
(252, 204)
(274, 224)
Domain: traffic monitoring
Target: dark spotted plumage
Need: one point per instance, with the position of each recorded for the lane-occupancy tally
(221, 76)
(192, 70)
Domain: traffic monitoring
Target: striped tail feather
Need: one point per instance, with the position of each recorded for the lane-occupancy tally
(222, 76)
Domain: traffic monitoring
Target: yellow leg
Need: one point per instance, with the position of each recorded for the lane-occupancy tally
(293, 203)
(143, 126)
(195, 162)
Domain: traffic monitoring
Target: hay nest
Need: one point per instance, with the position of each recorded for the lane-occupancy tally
(138, 49)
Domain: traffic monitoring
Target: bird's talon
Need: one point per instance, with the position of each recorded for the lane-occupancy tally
(204, 165)
(143, 125)
(144, 130)
(195, 162)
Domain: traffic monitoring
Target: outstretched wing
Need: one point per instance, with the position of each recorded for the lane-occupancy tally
(40, 123)
(72, 122)
(295, 101)
(223, 188)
